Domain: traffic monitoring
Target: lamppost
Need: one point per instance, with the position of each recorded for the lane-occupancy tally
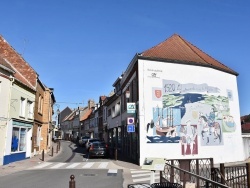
(58, 118)
(80, 126)
(127, 95)
(127, 147)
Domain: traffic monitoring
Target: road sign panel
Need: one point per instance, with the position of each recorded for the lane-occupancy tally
(130, 120)
(131, 128)
(131, 107)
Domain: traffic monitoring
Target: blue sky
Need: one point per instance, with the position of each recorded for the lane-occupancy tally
(80, 47)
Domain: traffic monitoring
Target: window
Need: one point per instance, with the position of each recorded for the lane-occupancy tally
(113, 111)
(38, 137)
(30, 109)
(22, 107)
(40, 104)
(109, 112)
(18, 139)
(116, 109)
(104, 114)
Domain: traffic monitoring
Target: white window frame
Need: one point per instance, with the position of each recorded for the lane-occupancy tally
(20, 139)
(22, 106)
(30, 106)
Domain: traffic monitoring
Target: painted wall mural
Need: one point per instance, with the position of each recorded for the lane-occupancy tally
(190, 113)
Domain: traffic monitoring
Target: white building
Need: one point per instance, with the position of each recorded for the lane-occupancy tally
(6, 80)
(187, 105)
(194, 106)
(16, 142)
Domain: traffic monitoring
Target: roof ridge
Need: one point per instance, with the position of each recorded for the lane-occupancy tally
(188, 43)
(158, 44)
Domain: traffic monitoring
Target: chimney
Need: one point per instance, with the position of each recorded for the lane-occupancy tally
(91, 103)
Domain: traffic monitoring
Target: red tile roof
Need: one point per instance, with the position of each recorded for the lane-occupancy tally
(23, 71)
(86, 115)
(5, 64)
(245, 127)
(176, 49)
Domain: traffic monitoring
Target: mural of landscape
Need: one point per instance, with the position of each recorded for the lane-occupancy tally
(189, 113)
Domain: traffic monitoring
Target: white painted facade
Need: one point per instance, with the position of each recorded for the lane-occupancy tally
(22, 120)
(154, 79)
(5, 93)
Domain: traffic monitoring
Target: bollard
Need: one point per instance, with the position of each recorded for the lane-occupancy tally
(72, 183)
(59, 144)
(52, 152)
(57, 148)
(43, 155)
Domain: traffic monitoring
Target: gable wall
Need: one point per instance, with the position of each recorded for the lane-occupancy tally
(176, 95)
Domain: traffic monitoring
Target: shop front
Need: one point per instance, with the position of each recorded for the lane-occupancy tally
(123, 144)
(18, 146)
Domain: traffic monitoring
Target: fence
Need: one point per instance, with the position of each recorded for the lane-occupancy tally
(201, 173)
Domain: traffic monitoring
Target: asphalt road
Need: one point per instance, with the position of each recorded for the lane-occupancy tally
(87, 178)
(59, 178)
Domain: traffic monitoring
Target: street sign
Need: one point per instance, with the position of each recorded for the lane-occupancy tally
(131, 107)
(131, 128)
(130, 120)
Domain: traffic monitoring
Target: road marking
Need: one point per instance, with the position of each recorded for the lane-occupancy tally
(103, 165)
(88, 165)
(58, 165)
(73, 165)
(43, 165)
(139, 171)
(113, 171)
(145, 179)
(139, 175)
(143, 176)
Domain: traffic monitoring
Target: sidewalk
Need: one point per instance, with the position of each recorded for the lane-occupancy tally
(29, 162)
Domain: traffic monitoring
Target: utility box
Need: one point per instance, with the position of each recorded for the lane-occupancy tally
(154, 164)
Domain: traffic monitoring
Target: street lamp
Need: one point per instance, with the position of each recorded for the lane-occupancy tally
(127, 95)
(58, 118)
(80, 126)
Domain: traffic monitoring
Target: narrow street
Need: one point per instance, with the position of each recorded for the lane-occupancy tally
(71, 160)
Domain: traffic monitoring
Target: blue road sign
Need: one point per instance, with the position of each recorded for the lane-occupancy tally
(131, 128)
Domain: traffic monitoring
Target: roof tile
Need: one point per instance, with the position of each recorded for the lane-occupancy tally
(177, 49)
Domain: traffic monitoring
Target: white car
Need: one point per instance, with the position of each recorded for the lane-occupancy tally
(83, 140)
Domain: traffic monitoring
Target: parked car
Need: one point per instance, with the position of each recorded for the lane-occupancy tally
(90, 141)
(98, 149)
(54, 138)
(83, 140)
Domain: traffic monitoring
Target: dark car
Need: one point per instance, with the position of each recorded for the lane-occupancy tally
(98, 149)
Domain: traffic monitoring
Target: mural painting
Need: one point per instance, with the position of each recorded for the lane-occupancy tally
(189, 113)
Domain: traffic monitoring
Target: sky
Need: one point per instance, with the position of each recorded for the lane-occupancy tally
(80, 47)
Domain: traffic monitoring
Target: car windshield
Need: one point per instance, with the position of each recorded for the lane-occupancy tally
(93, 140)
(85, 137)
(99, 144)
